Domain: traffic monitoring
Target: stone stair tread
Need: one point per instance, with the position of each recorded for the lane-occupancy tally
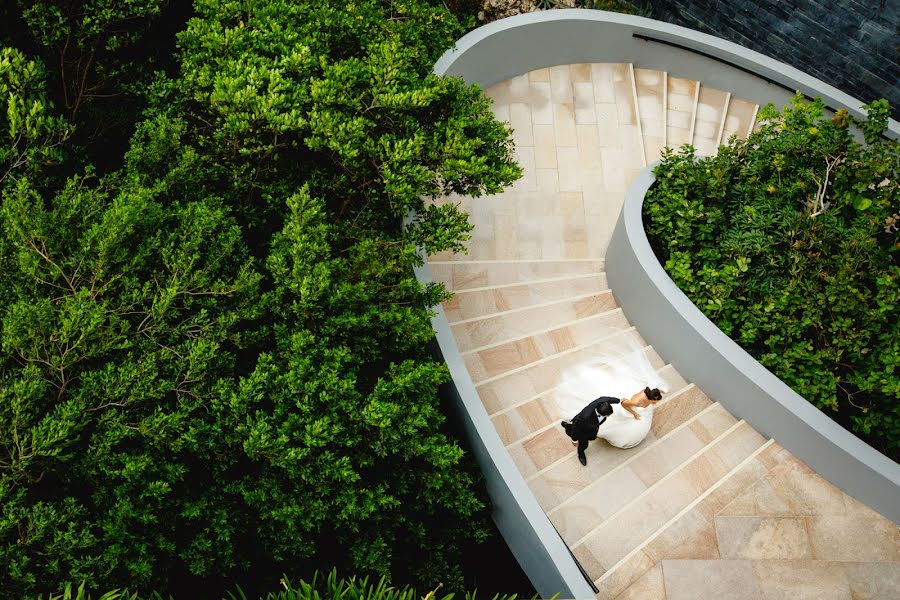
(530, 464)
(469, 304)
(651, 93)
(681, 104)
(507, 355)
(514, 324)
(739, 119)
(530, 418)
(606, 492)
(649, 586)
(779, 579)
(517, 386)
(462, 275)
(615, 538)
(540, 442)
(711, 106)
(691, 534)
(533, 416)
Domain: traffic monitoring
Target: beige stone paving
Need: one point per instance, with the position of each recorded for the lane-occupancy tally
(681, 100)
(711, 108)
(705, 507)
(651, 97)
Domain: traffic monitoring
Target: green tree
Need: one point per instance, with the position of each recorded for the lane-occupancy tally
(214, 360)
(31, 132)
(100, 56)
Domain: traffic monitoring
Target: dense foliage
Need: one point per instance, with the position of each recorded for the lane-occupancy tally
(319, 587)
(100, 56)
(788, 242)
(213, 359)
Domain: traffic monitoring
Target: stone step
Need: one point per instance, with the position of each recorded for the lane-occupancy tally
(459, 276)
(517, 387)
(541, 224)
(573, 495)
(712, 106)
(681, 105)
(521, 423)
(542, 453)
(491, 361)
(651, 102)
(690, 533)
(631, 154)
(492, 330)
(535, 440)
(471, 304)
(752, 515)
(778, 579)
(631, 526)
(739, 119)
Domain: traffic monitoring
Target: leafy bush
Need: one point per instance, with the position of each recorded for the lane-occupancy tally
(318, 588)
(32, 133)
(788, 242)
(213, 361)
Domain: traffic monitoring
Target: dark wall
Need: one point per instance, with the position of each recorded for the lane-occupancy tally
(853, 45)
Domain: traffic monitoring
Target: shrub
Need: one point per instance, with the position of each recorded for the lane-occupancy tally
(319, 587)
(788, 242)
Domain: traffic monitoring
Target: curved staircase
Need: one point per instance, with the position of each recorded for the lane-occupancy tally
(705, 507)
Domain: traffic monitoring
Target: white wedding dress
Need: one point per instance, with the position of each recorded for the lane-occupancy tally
(620, 373)
(622, 430)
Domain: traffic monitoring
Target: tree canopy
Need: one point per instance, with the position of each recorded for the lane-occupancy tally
(213, 359)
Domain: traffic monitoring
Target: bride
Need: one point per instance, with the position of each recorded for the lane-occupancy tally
(631, 419)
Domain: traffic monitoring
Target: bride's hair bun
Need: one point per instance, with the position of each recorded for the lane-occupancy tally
(653, 394)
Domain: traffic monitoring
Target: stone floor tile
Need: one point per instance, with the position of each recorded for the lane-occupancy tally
(650, 586)
(580, 72)
(801, 580)
(763, 538)
(539, 75)
(690, 536)
(710, 580)
(625, 574)
(872, 580)
(854, 538)
(677, 407)
(602, 77)
(564, 124)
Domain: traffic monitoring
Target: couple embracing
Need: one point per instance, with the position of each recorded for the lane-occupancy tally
(623, 423)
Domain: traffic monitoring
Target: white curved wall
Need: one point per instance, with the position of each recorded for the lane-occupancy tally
(669, 321)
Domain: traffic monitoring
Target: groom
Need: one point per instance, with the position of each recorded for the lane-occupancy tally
(584, 426)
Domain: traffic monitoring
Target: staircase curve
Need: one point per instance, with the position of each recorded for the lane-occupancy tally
(706, 506)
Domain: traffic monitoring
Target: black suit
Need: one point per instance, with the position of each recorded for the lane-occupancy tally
(585, 425)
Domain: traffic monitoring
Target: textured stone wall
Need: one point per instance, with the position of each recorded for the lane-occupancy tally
(853, 45)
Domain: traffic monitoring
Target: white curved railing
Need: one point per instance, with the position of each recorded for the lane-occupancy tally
(523, 43)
